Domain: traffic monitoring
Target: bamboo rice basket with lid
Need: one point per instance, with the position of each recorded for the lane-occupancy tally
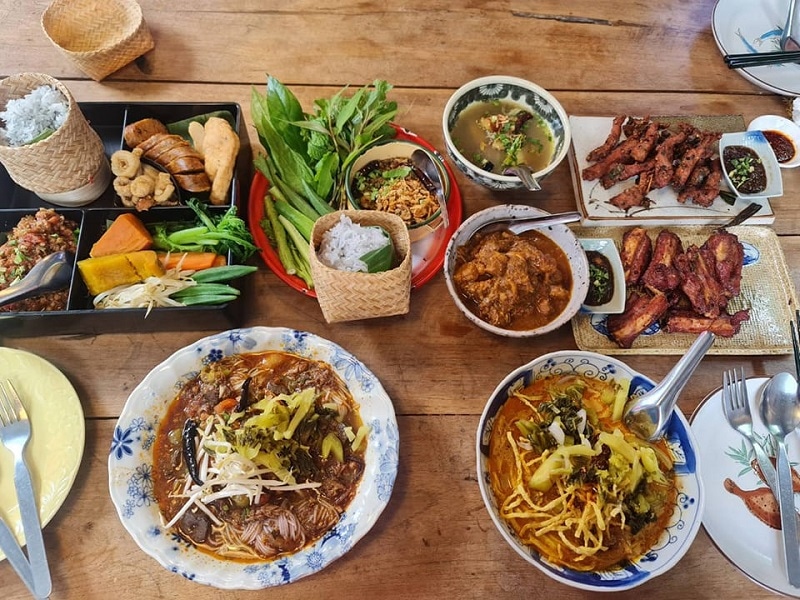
(69, 167)
(351, 296)
(99, 36)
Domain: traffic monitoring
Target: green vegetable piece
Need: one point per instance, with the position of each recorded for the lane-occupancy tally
(224, 273)
(380, 259)
(181, 128)
(332, 443)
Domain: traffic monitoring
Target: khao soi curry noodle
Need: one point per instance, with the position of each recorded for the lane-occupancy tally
(572, 481)
(258, 456)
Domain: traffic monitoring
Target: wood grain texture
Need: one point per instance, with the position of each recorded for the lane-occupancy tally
(607, 45)
(435, 539)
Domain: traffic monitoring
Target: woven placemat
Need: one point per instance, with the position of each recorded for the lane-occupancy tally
(767, 290)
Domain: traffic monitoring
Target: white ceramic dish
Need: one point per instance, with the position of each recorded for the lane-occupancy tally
(500, 87)
(560, 234)
(787, 127)
(588, 132)
(752, 546)
(756, 141)
(131, 458)
(686, 519)
(607, 248)
(742, 26)
(57, 436)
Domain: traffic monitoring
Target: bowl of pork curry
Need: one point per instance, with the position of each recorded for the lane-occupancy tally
(516, 285)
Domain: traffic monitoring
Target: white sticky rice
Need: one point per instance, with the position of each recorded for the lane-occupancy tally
(344, 244)
(28, 117)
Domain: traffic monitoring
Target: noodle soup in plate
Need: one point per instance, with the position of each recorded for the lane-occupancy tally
(664, 538)
(131, 461)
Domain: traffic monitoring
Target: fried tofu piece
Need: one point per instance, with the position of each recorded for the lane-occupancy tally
(220, 149)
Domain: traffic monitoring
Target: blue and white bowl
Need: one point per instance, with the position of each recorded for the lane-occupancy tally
(501, 87)
(686, 518)
(130, 462)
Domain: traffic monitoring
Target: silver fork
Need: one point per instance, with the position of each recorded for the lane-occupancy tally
(736, 405)
(15, 431)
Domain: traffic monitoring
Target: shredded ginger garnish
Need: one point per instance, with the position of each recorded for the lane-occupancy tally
(226, 473)
(152, 292)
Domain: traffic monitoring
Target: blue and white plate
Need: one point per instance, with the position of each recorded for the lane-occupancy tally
(130, 462)
(686, 518)
(755, 141)
(742, 26)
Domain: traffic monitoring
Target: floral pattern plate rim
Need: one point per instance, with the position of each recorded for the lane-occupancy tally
(751, 546)
(58, 434)
(130, 460)
(684, 523)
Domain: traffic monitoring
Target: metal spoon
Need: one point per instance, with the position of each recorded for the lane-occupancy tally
(50, 274)
(525, 175)
(517, 226)
(780, 411)
(423, 162)
(786, 36)
(648, 415)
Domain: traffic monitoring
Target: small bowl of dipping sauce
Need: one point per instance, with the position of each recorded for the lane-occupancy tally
(749, 165)
(607, 290)
(783, 135)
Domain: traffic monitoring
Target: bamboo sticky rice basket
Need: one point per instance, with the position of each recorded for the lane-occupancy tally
(348, 296)
(100, 36)
(69, 166)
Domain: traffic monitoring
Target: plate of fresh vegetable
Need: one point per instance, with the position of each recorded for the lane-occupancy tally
(301, 176)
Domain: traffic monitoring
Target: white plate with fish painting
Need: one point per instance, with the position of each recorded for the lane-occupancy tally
(742, 26)
(130, 461)
(736, 494)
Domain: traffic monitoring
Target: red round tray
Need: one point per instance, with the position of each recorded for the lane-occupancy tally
(427, 253)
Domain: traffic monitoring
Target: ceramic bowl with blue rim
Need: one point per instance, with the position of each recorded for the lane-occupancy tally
(756, 143)
(560, 234)
(528, 96)
(130, 462)
(687, 516)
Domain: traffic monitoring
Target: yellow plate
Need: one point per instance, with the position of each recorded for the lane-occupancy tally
(57, 436)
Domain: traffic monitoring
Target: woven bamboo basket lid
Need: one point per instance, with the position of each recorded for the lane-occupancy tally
(348, 296)
(100, 36)
(71, 158)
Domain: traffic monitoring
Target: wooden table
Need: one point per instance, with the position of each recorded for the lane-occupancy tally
(435, 539)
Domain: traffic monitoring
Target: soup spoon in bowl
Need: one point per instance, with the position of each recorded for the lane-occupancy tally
(525, 175)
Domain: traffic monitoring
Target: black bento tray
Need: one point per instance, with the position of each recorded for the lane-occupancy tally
(80, 317)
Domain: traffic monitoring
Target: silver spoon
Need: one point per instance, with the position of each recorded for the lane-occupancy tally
(525, 175)
(780, 411)
(423, 162)
(648, 415)
(786, 36)
(517, 226)
(50, 274)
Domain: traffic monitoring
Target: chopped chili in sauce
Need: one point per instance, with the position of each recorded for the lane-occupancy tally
(781, 144)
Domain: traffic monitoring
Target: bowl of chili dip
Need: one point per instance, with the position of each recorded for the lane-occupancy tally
(783, 135)
(749, 164)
